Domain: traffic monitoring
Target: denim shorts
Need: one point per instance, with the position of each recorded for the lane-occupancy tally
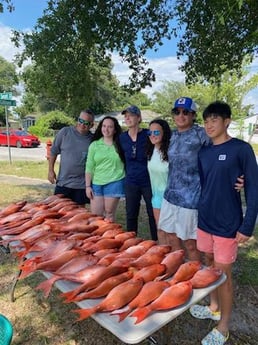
(113, 189)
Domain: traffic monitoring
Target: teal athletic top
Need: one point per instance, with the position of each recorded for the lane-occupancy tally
(158, 171)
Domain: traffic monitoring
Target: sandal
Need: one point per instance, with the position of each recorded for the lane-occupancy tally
(204, 312)
(215, 338)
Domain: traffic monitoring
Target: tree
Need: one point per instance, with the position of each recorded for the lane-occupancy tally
(232, 90)
(217, 37)
(76, 87)
(8, 4)
(72, 33)
(8, 81)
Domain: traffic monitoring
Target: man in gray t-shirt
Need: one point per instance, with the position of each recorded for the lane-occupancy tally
(72, 144)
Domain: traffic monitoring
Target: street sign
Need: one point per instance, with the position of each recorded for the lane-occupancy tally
(8, 102)
(6, 95)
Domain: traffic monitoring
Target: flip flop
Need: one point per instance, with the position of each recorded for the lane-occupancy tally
(215, 338)
(204, 312)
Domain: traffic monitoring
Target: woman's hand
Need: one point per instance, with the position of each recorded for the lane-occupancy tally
(89, 193)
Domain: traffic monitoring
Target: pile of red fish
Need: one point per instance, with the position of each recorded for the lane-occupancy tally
(135, 277)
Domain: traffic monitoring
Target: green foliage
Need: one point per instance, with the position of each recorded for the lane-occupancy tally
(8, 81)
(232, 89)
(214, 37)
(47, 124)
(217, 37)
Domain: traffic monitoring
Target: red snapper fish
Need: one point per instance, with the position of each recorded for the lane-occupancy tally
(118, 297)
(185, 271)
(150, 272)
(76, 264)
(205, 277)
(130, 242)
(147, 259)
(90, 277)
(12, 208)
(172, 261)
(25, 226)
(125, 235)
(159, 248)
(19, 215)
(105, 287)
(172, 297)
(149, 292)
(49, 265)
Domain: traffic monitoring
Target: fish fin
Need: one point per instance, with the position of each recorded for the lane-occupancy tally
(84, 313)
(141, 314)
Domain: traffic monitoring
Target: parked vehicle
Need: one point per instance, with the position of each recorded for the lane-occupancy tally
(18, 138)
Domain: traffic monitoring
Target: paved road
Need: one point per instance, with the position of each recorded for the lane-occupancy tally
(22, 154)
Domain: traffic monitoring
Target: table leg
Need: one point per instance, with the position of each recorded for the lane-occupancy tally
(14, 285)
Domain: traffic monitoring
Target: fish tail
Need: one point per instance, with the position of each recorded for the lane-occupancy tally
(69, 295)
(123, 315)
(46, 285)
(141, 314)
(84, 313)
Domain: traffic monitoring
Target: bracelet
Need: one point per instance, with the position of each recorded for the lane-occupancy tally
(88, 186)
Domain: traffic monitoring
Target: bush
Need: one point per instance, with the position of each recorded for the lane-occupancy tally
(48, 124)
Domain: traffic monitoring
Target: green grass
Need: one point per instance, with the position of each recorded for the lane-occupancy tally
(255, 147)
(26, 169)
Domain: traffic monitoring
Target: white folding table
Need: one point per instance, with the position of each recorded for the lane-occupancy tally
(126, 330)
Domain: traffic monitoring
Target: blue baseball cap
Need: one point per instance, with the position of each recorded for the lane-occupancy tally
(186, 103)
(133, 109)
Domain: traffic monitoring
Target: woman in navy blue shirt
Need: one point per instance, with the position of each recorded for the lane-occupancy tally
(137, 180)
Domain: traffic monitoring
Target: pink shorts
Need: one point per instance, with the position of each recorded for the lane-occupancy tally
(223, 249)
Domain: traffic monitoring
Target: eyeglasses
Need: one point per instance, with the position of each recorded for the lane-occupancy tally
(155, 133)
(182, 111)
(84, 122)
(133, 155)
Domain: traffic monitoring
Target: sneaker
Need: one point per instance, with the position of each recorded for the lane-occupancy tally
(204, 312)
(215, 338)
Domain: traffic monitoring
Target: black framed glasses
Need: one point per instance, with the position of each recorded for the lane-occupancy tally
(155, 133)
(181, 111)
(133, 154)
(84, 122)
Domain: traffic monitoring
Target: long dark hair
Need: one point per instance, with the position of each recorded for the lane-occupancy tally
(118, 130)
(165, 140)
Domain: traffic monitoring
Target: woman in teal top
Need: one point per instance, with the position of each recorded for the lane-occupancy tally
(105, 169)
(157, 153)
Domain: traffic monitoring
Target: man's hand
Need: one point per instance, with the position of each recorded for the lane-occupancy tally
(52, 177)
(240, 183)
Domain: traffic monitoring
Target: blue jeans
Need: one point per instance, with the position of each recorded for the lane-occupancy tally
(133, 195)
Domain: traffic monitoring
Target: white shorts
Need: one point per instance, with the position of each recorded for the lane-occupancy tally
(178, 220)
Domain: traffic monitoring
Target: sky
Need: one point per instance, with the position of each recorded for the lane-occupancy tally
(164, 62)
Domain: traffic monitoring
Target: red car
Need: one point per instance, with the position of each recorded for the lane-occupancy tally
(18, 138)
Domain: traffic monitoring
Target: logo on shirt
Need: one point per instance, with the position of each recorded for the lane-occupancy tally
(222, 157)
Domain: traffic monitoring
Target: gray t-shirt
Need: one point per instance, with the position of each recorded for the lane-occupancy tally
(73, 148)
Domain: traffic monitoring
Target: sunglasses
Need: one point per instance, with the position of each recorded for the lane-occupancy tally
(84, 122)
(155, 133)
(182, 111)
(133, 155)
